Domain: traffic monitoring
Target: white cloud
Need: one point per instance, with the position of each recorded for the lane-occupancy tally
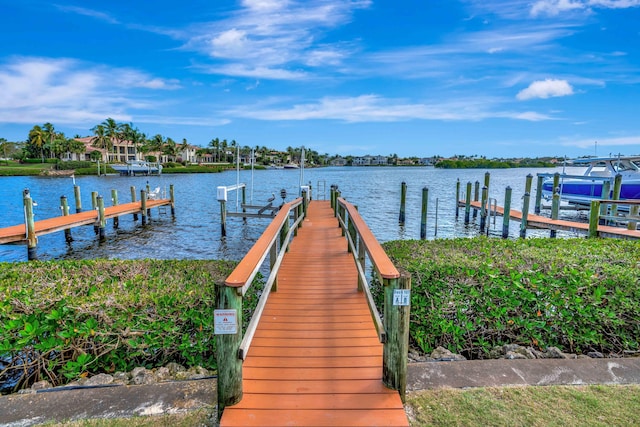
(546, 89)
(374, 108)
(557, 7)
(67, 91)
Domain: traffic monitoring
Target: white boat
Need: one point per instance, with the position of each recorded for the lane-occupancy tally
(291, 166)
(137, 167)
(582, 189)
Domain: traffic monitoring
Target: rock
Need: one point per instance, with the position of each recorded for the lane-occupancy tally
(162, 374)
(514, 355)
(510, 347)
(554, 353)
(524, 351)
(198, 372)
(121, 377)
(175, 368)
(100, 379)
(142, 376)
(442, 354)
(41, 385)
(595, 355)
(496, 352)
(537, 353)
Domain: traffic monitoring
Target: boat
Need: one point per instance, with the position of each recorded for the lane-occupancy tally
(291, 166)
(582, 189)
(137, 167)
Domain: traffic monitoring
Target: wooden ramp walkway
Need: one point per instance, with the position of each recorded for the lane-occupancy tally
(315, 359)
(17, 233)
(538, 221)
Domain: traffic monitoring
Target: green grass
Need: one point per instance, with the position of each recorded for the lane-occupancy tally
(14, 168)
(527, 406)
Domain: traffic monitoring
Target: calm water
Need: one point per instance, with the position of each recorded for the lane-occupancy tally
(194, 233)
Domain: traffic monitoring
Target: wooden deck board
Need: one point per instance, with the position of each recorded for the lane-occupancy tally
(315, 359)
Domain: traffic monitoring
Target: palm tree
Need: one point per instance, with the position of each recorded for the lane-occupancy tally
(37, 139)
(155, 144)
(49, 134)
(170, 148)
(101, 140)
(215, 144)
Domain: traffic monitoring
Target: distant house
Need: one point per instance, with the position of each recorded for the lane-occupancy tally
(339, 161)
(380, 160)
(362, 161)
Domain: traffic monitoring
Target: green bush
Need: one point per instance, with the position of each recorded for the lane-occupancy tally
(470, 295)
(63, 320)
(39, 160)
(69, 165)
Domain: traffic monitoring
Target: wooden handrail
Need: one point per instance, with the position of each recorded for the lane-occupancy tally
(378, 256)
(621, 202)
(247, 268)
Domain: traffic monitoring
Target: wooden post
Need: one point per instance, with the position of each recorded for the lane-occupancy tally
(76, 194)
(102, 221)
(338, 194)
(527, 185)
(617, 186)
(305, 203)
(593, 218)
(525, 214)
(114, 201)
(143, 206)
(403, 200)
(64, 206)
(283, 234)
(273, 257)
(476, 197)
(538, 208)
(173, 201)
(244, 202)
(555, 208)
(467, 205)
(223, 218)
(457, 198)
(633, 212)
(425, 206)
(507, 213)
(352, 232)
(605, 194)
(30, 225)
(483, 208)
(556, 183)
(362, 254)
(227, 347)
(396, 325)
(94, 206)
(133, 199)
(487, 178)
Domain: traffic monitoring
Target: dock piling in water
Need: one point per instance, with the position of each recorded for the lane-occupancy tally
(94, 206)
(76, 194)
(507, 213)
(173, 200)
(476, 197)
(133, 199)
(483, 208)
(457, 198)
(403, 200)
(64, 207)
(555, 208)
(143, 206)
(467, 204)
(425, 204)
(102, 221)
(114, 202)
(538, 206)
(30, 227)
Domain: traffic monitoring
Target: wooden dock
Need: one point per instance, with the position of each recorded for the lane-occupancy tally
(541, 222)
(17, 233)
(315, 359)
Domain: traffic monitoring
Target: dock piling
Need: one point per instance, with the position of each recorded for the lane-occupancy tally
(114, 202)
(133, 199)
(403, 200)
(594, 213)
(507, 213)
(64, 207)
(94, 206)
(525, 214)
(102, 221)
(476, 197)
(457, 198)
(538, 206)
(483, 208)
(396, 324)
(425, 204)
(76, 194)
(617, 186)
(555, 208)
(467, 204)
(173, 201)
(143, 206)
(30, 227)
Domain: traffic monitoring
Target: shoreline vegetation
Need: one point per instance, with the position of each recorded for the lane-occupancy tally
(57, 168)
(65, 320)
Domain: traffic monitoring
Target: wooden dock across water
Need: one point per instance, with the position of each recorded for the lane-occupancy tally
(537, 221)
(315, 359)
(17, 233)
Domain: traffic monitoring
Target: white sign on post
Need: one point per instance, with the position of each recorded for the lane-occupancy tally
(401, 296)
(225, 322)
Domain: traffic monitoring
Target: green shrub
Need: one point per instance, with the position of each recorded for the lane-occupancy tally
(470, 295)
(69, 165)
(62, 320)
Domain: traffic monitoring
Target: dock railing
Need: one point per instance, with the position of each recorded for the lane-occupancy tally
(607, 211)
(393, 326)
(232, 346)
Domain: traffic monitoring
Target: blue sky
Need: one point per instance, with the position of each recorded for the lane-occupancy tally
(411, 77)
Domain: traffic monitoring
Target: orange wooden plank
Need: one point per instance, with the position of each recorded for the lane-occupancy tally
(316, 418)
(312, 374)
(322, 401)
(312, 362)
